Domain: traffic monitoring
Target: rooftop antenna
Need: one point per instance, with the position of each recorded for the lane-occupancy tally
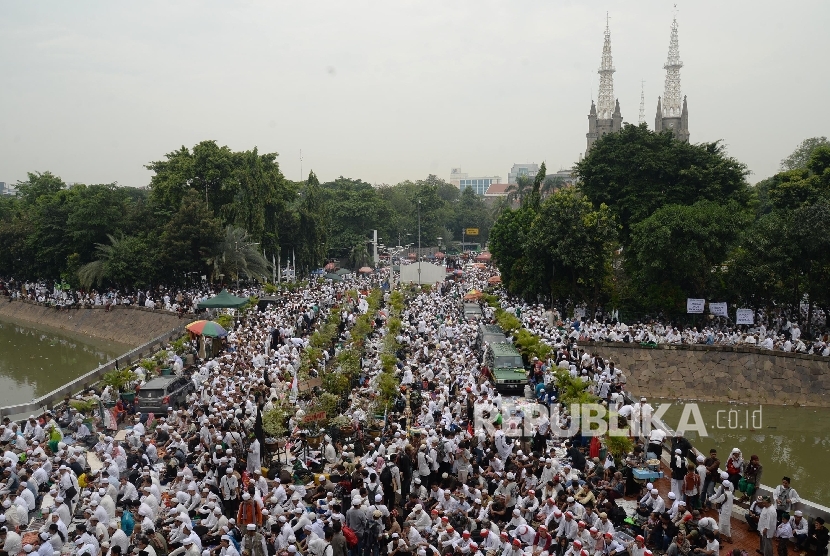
(642, 102)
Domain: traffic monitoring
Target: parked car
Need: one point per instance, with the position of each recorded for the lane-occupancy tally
(162, 392)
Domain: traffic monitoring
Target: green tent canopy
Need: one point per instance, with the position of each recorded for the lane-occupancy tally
(223, 300)
(334, 277)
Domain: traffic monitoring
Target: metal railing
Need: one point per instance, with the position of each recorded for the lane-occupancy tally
(38, 405)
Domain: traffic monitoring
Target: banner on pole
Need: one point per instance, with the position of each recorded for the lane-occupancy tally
(695, 306)
(718, 309)
(745, 316)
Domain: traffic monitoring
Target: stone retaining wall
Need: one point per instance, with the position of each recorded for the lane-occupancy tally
(126, 325)
(720, 373)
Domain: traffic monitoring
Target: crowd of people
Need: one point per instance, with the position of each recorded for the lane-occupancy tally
(445, 474)
(62, 297)
(782, 334)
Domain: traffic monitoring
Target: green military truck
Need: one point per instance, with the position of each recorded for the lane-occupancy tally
(506, 367)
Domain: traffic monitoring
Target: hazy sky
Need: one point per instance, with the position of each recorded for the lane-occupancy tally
(391, 90)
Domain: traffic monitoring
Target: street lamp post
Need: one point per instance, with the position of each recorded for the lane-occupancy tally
(419, 242)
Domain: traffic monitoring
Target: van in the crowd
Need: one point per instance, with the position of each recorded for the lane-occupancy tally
(472, 311)
(489, 334)
(506, 366)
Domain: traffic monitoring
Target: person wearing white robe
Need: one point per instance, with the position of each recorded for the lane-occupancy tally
(725, 499)
(254, 461)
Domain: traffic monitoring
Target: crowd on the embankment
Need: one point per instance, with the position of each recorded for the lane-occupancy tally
(782, 334)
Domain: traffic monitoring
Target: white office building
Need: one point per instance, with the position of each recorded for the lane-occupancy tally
(462, 180)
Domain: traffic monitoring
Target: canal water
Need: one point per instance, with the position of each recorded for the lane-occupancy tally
(789, 441)
(34, 359)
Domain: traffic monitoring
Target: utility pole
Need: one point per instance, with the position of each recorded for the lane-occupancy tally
(419, 242)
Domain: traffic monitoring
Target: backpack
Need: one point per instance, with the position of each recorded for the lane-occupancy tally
(372, 492)
(386, 476)
(372, 532)
(350, 536)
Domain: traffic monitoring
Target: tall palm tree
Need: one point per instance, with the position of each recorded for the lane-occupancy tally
(551, 184)
(359, 255)
(238, 256)
(520, 190)
(95, 272)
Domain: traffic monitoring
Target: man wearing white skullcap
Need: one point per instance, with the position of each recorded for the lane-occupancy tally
(229, 487)
(725, 499)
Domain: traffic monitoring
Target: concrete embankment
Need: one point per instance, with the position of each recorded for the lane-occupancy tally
(721, 373)
(126, 325)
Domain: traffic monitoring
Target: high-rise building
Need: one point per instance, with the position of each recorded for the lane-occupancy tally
(478, 184)
(605, 117)
(672, 112)
(530, 170)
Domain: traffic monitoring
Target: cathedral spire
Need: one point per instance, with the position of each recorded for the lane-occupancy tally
(605, 100)
(672, 97)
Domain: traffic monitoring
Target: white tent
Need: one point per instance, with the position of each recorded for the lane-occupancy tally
(429, 273)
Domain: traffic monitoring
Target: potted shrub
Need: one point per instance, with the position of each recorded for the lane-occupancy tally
(343, 424)
(118, 380)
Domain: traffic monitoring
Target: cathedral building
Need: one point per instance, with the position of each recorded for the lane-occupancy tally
(672, 112)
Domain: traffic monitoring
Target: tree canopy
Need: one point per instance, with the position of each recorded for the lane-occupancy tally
(654, 221)
(637, 171)
(178, 228)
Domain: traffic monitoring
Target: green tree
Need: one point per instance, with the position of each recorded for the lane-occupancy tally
(802, 186)
(39, 184)
(208, 168)
(800, 157)
(575, 244)
(760, 263)
(312, 230)
(637, 171)
(471, 211)
(676, 252)
(521, 272)
(189, 239)
(244, 189)
(810, 239)
(354, 209)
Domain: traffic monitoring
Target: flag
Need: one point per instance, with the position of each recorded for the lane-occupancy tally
(259, 431)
